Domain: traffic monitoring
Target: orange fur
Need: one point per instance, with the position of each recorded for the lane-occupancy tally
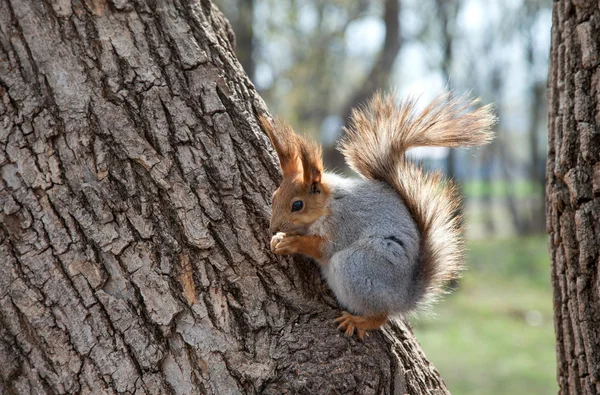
(374, 146)
(285, 142)
(312, 161)
(349, 323)
(311, 246)
(302, 167)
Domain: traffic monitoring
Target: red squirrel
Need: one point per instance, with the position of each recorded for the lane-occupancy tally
(386, 242)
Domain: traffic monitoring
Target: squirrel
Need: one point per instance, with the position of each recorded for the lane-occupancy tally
(387, 242)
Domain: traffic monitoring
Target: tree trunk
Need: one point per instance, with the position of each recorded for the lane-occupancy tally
(377, 78)
(536, 165)
(245, 36)
(134, 215)
(379, 75)
(537, 111)
(446, 11)
(573, 192)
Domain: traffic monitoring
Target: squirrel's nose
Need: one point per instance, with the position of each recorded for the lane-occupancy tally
(274, 229)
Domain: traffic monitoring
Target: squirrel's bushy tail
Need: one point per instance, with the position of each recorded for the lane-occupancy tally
(374, 146)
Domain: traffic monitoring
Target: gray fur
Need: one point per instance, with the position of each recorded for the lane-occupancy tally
(373, 265)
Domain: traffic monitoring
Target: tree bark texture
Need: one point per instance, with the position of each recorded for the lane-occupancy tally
(134, 207)
(573, 192)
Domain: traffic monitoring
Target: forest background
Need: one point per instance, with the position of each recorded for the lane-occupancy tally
(313, 60)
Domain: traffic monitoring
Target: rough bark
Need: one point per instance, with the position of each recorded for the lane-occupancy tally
(573, 192)
(134, 205)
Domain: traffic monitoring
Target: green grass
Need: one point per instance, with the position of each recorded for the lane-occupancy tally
(495, 334)
(499, 188)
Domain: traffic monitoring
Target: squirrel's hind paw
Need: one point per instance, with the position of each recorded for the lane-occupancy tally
(349, 323)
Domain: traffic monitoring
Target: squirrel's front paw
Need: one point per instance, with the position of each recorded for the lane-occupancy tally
(276, 239)
(281, 244)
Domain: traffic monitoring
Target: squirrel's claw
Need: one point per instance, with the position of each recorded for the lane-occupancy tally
(347, 324)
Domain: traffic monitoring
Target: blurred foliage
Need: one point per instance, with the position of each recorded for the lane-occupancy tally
(494, 334)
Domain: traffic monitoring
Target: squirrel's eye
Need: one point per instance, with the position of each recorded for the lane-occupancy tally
(297, 205)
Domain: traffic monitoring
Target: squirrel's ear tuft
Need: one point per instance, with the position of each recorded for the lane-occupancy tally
(285, 142)
(312, 163)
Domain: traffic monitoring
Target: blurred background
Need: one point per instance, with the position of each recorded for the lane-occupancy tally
(313, 60)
